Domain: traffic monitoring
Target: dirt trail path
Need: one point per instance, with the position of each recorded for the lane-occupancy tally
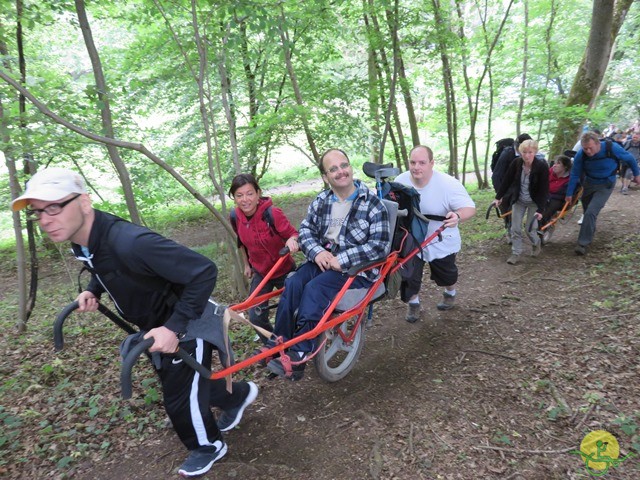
(475, 392)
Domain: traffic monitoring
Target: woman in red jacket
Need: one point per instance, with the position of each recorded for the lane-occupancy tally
(558, 181)
(263, 230)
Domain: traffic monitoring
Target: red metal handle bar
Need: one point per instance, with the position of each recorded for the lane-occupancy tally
(419, 248)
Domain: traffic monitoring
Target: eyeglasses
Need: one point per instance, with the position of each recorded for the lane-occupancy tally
(342, 166)
(52, 209)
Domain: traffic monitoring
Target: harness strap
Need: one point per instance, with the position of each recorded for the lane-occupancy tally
(287, 363)
(226, 319)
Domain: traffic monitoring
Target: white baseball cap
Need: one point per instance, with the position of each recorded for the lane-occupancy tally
(48, 185)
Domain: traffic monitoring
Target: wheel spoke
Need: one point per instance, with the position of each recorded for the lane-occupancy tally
(336, 357)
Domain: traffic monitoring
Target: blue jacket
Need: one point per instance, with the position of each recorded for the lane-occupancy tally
(600, 168)
(363, 237)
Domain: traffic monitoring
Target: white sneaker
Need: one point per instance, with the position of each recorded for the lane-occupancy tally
(581, 218)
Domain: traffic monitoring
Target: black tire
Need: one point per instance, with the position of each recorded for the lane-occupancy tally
(58, 337)
(336, 358)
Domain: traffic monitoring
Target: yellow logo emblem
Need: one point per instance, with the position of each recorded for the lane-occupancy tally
(600, 451)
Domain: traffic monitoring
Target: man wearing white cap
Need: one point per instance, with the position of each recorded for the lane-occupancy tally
(156, 284)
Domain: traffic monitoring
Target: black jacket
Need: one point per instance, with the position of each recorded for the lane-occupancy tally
(152, 280)
(538, 182)
(502, 165)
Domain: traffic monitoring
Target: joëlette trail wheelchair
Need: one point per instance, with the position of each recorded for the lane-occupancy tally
(339, 334)
(561, 216)
(546, 230)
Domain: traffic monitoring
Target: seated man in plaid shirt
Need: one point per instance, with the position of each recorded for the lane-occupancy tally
(346, 225)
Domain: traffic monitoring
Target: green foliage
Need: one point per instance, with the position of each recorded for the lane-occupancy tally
(624, 296)
(156, 103)
(627, 424)
(500, 437)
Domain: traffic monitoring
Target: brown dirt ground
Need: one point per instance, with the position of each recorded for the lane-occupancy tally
(465, 394)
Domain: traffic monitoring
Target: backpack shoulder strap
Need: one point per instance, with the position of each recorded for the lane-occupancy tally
(267, 216)
(233, 218)
(609, 150)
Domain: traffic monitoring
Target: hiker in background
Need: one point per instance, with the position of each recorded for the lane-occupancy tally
(558, 181)
(444, 196)
(262, 230)
(508, 155)
(578, 146)
(599, 165)
(610, 131)
(633, 147)
(528, 179)
(619, 138)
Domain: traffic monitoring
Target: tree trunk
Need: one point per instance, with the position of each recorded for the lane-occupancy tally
(226, 97)
(390, 76)
(550, 63)
(382, 100)
(606, 19)
(443, 29)
(471, 141)
(14, 184)
(252, 95)
(525, 63)
(392, 21)
(21, 266)
(105, 112)
(473, 107)
(204, 94)
(21, 324)
(374, 104)
(252, 66)
(284, 37)
(483, 18)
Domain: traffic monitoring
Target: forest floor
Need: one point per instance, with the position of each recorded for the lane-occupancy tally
(506, 385)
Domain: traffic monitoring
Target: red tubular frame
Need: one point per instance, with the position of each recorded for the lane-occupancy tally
(563, 212)
(387, 266)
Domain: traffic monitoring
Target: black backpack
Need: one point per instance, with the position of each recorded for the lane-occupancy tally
(500, 146)
(407, 199)
(267, 216)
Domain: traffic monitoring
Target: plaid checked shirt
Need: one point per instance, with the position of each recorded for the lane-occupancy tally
(363, 237)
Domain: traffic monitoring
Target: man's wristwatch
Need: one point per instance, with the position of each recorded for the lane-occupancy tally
(457, 215)
(180, 335)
